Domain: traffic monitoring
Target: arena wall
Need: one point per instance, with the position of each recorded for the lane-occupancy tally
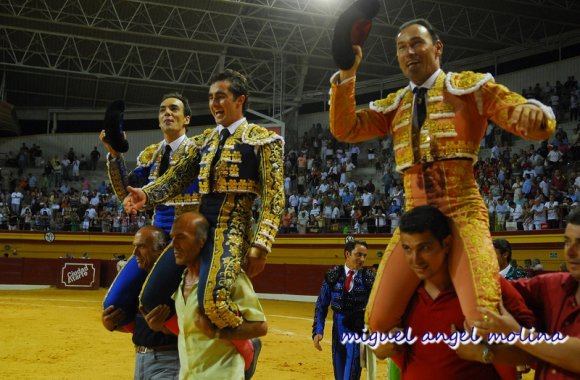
(296, 265)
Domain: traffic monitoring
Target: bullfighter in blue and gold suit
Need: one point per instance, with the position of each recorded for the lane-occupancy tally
(174, 116)
(436, 137)
(235, 163)
(346, 290)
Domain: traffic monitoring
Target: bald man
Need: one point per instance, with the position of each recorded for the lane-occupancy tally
(156, 351)
(205, 351)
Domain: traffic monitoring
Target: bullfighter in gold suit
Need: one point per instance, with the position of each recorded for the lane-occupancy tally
(235, 163)
(435, 157)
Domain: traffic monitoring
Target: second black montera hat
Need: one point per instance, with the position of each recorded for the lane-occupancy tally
(352, 28)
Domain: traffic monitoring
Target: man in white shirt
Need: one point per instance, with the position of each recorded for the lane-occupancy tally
(15, 200)
(294, 201)
(367, 199)
(501, 212)
(545, 186)
(92, 213)
(45, 209)
(323, 188)
(529, 171)
(554, 156)
(305, 200)
(516, 213)
(539, 212)
(95, 200)
(495, 152)
(553, 208)
(302, 220)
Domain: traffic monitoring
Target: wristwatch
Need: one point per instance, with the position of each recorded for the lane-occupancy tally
(487, 356)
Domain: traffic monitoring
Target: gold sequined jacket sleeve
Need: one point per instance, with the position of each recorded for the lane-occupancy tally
(119, 175)
(271, 171)
(499, 103)
(178, 177)
(348, 124)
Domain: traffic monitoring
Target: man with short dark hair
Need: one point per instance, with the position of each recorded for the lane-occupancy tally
(235, 163)
(555, 300)
(346, 290)
(437, 123)
(174, 115)
(156, 352)
(503, 250)
(426, 239)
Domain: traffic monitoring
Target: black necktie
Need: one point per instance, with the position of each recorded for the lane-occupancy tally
(420, 109)
(164, 164)
(224, 134)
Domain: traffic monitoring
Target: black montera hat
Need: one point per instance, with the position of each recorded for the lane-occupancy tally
(113, 126)
(352, 28)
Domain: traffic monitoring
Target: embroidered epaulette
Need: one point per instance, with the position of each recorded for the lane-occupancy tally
(146, 156)
(466, 82)
(198, 140)
(205, 137)
(389, 103)
(333, 275)
(368, 277)
(254, 135)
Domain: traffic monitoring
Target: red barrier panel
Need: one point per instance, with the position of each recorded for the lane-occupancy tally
(79, 274)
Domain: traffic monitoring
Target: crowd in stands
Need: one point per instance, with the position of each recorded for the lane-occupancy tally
(563, 98)
(60, 199)
(525, 189)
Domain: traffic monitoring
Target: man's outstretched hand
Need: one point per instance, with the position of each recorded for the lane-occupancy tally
(135, 201)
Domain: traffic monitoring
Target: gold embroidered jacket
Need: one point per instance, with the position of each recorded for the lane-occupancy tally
(251, 162)
(459, 106)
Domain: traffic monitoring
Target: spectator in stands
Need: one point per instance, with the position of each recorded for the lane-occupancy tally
(371, 155)
(501, 212)
(537, 265)
(56, 172)
(302, 221)
(75, 168)
(554, 157)
(312, 226)
(544, 186)
(539, 213)
(516, 214)
(66, 169)
(527, 186)
(503, 250)
(16, 200)
(95, 156)
(553, 210)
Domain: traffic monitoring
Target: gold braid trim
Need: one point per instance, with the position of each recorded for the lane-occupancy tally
(271, 171)
(117, 172)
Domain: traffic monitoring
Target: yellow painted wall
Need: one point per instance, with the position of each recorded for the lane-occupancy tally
(309, 250)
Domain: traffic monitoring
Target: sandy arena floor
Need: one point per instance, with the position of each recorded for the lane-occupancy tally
(57, 334)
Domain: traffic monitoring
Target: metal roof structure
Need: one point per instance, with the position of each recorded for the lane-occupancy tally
(69, 54)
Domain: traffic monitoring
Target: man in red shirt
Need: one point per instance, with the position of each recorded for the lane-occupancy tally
(555, 300)
(426, 240)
